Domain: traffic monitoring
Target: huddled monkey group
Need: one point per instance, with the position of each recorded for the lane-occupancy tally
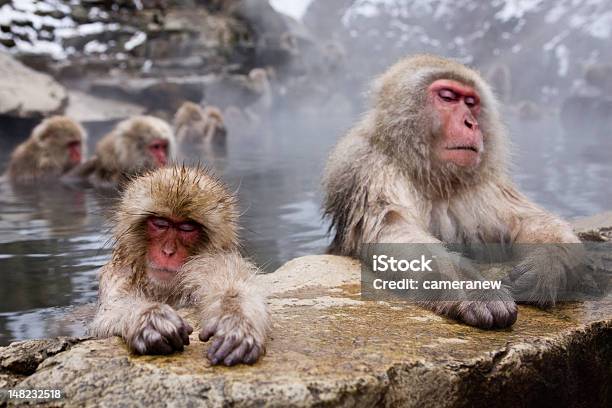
(427, 164)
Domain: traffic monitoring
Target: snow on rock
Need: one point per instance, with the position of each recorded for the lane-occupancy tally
(26, 93)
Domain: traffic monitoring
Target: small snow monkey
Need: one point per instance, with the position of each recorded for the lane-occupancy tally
(176, 246)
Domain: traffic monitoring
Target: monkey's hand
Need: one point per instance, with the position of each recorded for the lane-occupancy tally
(236, 340)
(491, 312)
(548, 273)
(158, 330)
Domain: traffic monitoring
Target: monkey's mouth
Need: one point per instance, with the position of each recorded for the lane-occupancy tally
(472, 148)
(161, 273)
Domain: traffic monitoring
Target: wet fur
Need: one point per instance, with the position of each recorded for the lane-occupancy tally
(44, 155)
(216, 280)
(382, 185)
(199, 126)
(123, 153)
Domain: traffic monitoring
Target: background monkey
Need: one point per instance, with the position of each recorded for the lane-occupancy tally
(204, 127)
(176, 245)
(55, 146)
(134, 146)
(427, 164)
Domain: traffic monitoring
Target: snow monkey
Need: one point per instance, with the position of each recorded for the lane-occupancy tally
(176, 246)
(134, 146)
(55, 146)
(427, 164)
(199, 126)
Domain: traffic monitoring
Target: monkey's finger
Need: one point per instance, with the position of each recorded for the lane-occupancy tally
(228, 345)
(159, 346)
(188, 327)
(214, 346)
(504, 313)
(252, 355)
(175, 339)
(207, 332)
(476, 313)
(237, 355)
(184, 333)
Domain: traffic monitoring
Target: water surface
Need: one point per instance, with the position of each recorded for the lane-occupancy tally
(53, 240)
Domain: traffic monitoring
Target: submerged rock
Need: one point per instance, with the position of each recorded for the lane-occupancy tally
(328, 347)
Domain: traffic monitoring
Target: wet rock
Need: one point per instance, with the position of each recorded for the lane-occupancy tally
(595, 228)
(328, 347)
(155, 94)
(25, 93)
(89, 108)
(24, 357)
(277, 38)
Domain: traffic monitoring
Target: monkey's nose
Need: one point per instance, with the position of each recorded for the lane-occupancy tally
(470, 122)
(168, 250)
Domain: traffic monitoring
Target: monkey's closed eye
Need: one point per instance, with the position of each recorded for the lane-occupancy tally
(159, 222)
(188, 226)
(470, 101)
(447, 95)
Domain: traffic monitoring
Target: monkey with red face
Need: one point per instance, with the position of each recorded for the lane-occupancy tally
(55, 146)
(135, 145)
(428, 165)
(177, 246)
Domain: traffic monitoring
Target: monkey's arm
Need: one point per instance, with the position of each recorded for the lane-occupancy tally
(233, 311)
(553, 258)
(532, 225)
(484, 309)
(81, 173)
(148, 327)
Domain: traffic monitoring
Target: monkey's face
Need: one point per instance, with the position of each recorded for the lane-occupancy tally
(74, 152)
(66, 146)
(170, 243)
(158, 150)
(456, 107)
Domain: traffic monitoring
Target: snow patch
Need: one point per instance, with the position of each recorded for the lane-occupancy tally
(136, 40)
(516, 9)
(95, 47)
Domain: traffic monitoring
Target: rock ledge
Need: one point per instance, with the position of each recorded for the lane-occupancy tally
(330, 348)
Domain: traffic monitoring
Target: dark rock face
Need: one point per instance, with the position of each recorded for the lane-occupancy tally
(126, 34)
(155, 94)
(158, 54)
